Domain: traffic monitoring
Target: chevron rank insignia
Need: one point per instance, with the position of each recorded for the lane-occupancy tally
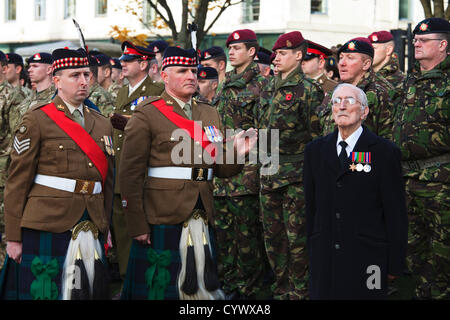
(21, 146)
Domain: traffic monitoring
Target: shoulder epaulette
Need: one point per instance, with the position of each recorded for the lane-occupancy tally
(39, 105)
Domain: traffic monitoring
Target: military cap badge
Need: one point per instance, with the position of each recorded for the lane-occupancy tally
(423, 27)
(288, 43)
(112, 62)
(207, 55)
(236, 36)
(374, 38)
(37, 56)
(202, 74)
(155, 49)
(351, 46)
(22, 129)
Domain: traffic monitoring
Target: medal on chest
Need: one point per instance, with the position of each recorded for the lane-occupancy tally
(213, 134)
(361, 161)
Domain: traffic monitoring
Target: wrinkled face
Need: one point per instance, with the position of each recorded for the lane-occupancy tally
(286, 59)
(352, 65)
(426, 46)
(180, 81)
(39, 71)
(206, 87)
(73, 84)
(239, 55)
(346, 108)
(311, 67)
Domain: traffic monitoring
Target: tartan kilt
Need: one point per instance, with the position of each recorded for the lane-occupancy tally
(18, 277)
(162, 237)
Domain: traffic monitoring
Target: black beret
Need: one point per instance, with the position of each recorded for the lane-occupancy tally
(176, 56)
(14, 58)
(158, 46)
(131, 52)
(103, 59)
(263, 57)
(40, 57)
(432, 25)
(2, 56)
(69, 59)
(212, 53)
(207, 73)
(115, 63)
(357, 45)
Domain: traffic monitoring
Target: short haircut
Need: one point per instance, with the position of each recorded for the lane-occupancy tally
(94, 70)
(148, 64)
(303, 47)
(360, 94)
(446, 37)
(255, 45)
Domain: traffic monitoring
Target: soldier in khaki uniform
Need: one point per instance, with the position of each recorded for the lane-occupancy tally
(168, 203)
(10, 98)
(135, 65)
(61, 173)
(313, 66)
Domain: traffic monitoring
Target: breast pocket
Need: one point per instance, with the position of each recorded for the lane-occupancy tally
(163, 143)
(60, 156)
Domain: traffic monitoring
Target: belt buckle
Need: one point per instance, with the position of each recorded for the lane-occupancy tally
(84, 186)
(199, 174)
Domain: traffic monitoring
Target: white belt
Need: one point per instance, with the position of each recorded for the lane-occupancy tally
(196, 174)
(70, 185)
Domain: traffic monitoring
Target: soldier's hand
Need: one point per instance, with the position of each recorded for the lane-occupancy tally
(244, 141)
(143, 239)
(14, 250)
(118, 121)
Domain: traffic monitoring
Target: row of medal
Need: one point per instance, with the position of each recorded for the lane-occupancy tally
(363, 160)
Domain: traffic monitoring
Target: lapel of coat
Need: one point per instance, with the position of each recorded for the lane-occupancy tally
(331, 158)
(61, 106)
(89, 120)
(196, 111)
(139, 92)
(171, 102)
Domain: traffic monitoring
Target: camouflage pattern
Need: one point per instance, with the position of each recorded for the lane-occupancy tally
(44, 96)
(288, 105)
(10, 98)
(381, 96)
(25, 91)
(102, 99)
(392, 73)
(241, 267)
(114, 90)
(237, 105)
(421, 131)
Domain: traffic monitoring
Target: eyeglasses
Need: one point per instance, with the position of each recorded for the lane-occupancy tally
(414, 41)
(347, 101)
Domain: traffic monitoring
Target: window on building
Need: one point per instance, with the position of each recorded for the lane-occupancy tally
(148, 13)
(319, 6)
(101, 7)
(403, 9)
(10, 10)
(39, 9)
(250, 11)
(69, 8)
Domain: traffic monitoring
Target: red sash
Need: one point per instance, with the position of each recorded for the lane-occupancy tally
(81, 138)
(189, 126)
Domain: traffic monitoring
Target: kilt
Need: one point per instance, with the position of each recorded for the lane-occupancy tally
(162, 237)
(45, 245)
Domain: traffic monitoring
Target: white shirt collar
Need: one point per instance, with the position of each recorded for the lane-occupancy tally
(132, 89)
(351, 141)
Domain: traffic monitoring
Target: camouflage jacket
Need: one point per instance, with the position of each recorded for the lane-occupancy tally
(10, 98)
(237, 104)
(422, 122)
(34, 98)
(114, 90)
(392, 73)
(289, 106)
(102, 99)
(380, 96)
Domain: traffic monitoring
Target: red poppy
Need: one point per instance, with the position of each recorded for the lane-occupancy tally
(289, 96)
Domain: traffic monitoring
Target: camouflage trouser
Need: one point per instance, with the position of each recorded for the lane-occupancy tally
(2, 230)
(241, 257)
(283, 216)
(428, 238)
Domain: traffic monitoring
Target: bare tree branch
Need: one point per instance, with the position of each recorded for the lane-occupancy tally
(426, 4)
(447, 12)
(227, 4)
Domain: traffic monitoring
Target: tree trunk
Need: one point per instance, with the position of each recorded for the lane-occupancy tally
(426, 4)
(438, 8)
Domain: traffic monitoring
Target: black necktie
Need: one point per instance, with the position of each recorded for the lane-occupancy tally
(343, 157)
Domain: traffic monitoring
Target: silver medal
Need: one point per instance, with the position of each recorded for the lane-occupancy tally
(367, 168)
(359, 167)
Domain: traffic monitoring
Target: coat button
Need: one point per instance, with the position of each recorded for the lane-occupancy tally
(61, 147)
(90, 165)
(120, 135)
(337, 246)
(172, 139)
(197, 143)
(124, 110)
(338, 215)
(199, 155)
(118, 148)
(339, 184)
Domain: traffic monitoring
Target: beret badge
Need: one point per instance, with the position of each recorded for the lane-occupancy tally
(423, 27)
(288, 43)
(236, 36)
(351, 46)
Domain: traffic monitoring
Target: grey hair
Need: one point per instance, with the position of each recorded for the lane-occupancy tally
(360, 94)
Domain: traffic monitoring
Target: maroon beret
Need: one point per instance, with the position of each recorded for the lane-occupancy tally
(244, 35)
(357, 45)
(289, 40)
(380, 37)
